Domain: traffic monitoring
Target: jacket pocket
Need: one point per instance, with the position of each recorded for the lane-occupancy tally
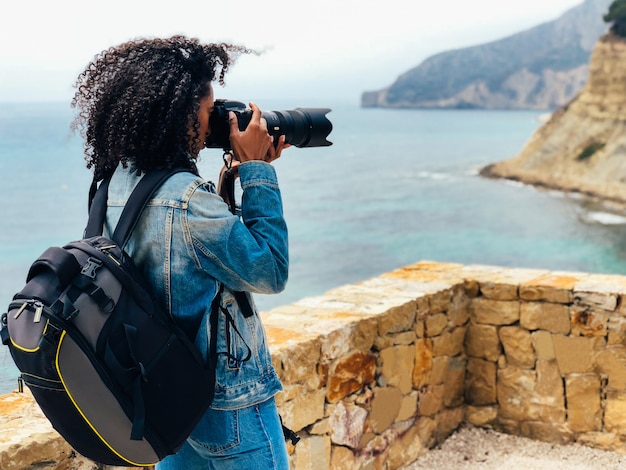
(237, 348)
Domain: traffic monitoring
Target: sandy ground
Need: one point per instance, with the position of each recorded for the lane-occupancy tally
(474, 448)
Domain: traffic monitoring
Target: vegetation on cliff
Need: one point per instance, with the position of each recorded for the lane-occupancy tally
(617, 15)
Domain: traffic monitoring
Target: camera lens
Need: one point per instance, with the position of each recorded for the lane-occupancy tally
(302, 127)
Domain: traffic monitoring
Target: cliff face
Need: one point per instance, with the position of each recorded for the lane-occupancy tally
(540, 68)
(583, 146)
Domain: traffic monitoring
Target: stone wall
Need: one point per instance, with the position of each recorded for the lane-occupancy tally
(378, 372)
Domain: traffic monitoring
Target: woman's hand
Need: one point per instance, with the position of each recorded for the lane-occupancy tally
(254, 142)
(273, 153)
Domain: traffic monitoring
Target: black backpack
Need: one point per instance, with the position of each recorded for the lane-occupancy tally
(111, 371)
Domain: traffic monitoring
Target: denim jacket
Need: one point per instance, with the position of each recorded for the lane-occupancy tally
(187, 241)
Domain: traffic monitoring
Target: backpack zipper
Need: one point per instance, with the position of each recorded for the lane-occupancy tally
(38, 306)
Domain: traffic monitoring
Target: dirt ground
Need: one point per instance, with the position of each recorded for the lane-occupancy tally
(475, 448)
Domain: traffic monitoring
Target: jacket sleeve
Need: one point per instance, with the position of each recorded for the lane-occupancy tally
(248, 253)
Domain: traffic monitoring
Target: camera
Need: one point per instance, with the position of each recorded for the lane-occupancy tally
(302, 127)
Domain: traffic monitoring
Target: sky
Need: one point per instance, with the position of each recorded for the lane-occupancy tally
(314, 50)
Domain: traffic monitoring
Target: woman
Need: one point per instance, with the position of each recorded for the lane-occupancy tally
(146, 104)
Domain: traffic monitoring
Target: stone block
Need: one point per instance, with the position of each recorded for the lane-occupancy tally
(397, 319)
(617, 330)
(350, 374)
(458, 310)
(526, 395)
(321, 427)
(405, 449)
(603, 300)
(299, 364)
(435, 324)
(574, 355)
(471, 287)
(454, 382)
(430, 400)
(612, 363)
(543, 346)
(423, 362)
(408, 407)
(550, 393)
(584, 407)
(358, 336)
(499, 291)
(518, 346)
(615, 413)
(449, 343)
(508, 426)
(397, 364)
(482, 341)
(480, 384)
(515, 393)
(426, 427)
(554, 433)
(385, 407)
(404, 338)
(423, 306)
(549, 288)
(342, 459)
(420, 328)
(303, 410)
(347, 424)
(494, 312)
(603, 441)
(289, 392)
(312, 453)
(440, 366)
(481, 416)
(439, 301)
(588, 321)
(545, 316)
(448, 421)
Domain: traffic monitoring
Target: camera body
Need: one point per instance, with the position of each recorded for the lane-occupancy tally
(302, 127)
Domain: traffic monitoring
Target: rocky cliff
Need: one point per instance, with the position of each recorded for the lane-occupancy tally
(582, 147)
(540, 68)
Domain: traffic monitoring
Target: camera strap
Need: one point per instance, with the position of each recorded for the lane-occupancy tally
(226, 184)
(226, 189)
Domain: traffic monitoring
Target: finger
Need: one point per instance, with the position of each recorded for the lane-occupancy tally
(256, 113)
(282, 145)
(234, 123)
(263, 124)
(271, 153)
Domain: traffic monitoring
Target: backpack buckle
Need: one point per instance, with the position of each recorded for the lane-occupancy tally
(4, 330)
(89, 270)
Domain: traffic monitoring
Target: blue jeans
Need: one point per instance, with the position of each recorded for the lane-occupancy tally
(248, 438)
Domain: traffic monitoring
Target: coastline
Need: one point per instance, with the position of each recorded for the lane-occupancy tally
(580, 147)
(602, 201)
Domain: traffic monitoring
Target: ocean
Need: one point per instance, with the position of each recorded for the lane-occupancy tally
(396, 187)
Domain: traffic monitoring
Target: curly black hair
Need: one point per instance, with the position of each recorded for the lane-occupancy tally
(136, 102)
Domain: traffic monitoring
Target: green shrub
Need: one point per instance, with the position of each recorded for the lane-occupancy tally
(617, 15)
(589, 150)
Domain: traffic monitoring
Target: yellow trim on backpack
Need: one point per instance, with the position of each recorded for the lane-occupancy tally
(17, 346)
(85, 417)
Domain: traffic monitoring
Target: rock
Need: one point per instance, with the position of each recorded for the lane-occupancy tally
(581, 148)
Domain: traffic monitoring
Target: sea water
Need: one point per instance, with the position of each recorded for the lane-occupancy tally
(396, 187)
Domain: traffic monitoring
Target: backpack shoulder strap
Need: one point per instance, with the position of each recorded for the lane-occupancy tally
(143, 192)
(135, 205)
(97, 207)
